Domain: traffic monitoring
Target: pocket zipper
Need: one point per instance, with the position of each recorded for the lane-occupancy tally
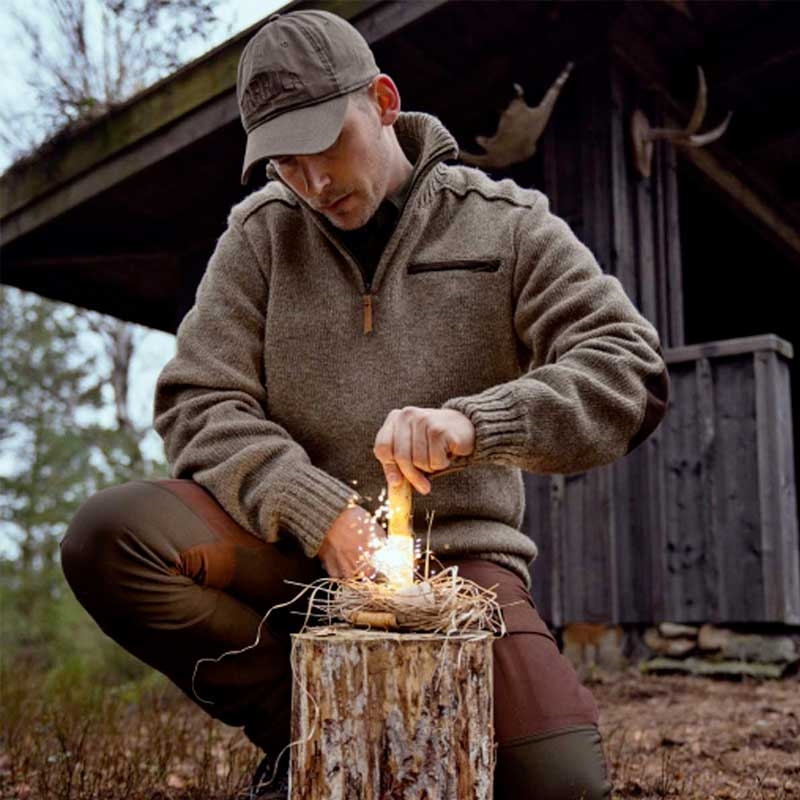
(474, 265)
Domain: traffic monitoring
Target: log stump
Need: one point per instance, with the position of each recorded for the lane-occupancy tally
(382, 715)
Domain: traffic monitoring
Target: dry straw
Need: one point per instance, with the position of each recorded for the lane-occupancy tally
(444, 603)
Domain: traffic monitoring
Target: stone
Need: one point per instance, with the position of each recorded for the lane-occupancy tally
(752, 647)
(724, 669)
(748, 646)
(667, 647)
(712, 638)
(674, 630)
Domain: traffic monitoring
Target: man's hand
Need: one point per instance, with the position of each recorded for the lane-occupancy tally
(413, 441)
(342, 549)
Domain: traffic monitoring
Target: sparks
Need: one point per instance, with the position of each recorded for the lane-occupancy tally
(394, 556)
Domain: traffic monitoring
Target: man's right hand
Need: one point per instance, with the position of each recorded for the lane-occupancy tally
(342, 550)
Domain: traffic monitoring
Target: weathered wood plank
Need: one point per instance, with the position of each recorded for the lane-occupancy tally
(779, 536)
(660, 245)
(594, 159)
(769, 483)
(673, 333)
(674, 471)
(729, 347)
(575, 563)
(557, 529)
(708, 535)
(600, 594)
(380, 20)
(736, 480)
(536, 524)
(649, 249)
(685, 514)
(646, 261)
(631, 538)
(623, 250)
(655, 497)
(625, 529)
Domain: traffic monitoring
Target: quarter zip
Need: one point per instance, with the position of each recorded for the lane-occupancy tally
(369, 290)
(367, 303)
(433, 160)
(367, 297)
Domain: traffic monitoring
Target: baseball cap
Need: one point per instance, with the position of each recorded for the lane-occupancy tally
(293, 80)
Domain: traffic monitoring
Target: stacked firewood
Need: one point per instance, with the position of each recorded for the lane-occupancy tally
(711, 650)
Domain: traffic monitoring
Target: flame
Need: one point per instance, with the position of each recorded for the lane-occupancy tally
(394, 558)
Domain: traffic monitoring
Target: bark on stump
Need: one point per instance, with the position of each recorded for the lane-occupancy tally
(379, 715)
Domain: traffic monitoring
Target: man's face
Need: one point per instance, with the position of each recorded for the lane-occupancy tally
(348, 181)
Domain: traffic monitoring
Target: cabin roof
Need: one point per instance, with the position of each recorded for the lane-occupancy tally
(120, 214)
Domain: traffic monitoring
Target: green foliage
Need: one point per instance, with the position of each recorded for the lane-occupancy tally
(44, 629)
(64, 434)
(45, 386)
(58, 440)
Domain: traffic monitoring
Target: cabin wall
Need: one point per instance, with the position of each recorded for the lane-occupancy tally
(707, 503)
(698, 527)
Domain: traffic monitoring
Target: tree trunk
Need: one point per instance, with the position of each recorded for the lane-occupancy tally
(379, 715)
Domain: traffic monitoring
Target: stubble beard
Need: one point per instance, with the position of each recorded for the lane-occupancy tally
(371, 195)
(360, 217)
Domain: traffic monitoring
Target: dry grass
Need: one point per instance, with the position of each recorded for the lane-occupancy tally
(443, 603)
(63, 740)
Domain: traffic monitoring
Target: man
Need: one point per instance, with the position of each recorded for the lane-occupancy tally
(370, 314)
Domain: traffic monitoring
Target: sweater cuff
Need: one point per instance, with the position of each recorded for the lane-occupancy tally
(310, 504)
(501, 433)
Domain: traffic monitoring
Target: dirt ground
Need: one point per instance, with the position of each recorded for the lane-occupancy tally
(685, 737)
(680, 738)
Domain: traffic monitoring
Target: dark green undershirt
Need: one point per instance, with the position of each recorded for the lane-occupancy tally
(367, 242)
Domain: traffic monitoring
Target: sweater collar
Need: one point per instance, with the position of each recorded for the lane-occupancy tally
(424, 140)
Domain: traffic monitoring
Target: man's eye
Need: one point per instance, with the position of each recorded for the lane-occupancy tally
(283, 161)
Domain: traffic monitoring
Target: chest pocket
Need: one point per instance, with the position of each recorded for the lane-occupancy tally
(455, 265)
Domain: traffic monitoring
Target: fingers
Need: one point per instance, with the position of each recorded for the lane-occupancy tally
(438, 447)
(402, 448)
(343, 550)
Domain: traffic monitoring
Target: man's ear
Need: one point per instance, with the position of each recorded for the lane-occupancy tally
(387, 96)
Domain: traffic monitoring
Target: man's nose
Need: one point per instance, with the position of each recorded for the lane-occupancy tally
(316, 176)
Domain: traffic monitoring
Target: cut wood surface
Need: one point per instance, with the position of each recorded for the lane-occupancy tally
(401, 715)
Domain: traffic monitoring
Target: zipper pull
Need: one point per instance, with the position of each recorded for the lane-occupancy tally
(367, 301)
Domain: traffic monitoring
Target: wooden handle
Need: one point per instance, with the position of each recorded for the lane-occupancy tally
(374, 619)
(400, 509)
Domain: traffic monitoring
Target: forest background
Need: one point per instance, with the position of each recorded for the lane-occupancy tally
(76, 393)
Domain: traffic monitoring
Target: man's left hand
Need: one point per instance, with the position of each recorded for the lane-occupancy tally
(414, 441)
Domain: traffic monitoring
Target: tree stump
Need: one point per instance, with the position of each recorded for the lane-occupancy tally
(379, 715)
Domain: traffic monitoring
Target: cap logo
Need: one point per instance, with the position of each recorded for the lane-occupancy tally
(266, 88)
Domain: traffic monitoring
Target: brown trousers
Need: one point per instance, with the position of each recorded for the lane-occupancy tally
(171, 577)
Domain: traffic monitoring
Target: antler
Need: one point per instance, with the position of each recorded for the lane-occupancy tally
(643, 135)
(518, 129)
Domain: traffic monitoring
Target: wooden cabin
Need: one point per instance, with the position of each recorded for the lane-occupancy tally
(699, 523)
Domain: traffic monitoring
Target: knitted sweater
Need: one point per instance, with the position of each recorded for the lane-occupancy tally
(483, 301)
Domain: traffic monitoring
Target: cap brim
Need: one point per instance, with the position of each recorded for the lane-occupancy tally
(300, 132)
